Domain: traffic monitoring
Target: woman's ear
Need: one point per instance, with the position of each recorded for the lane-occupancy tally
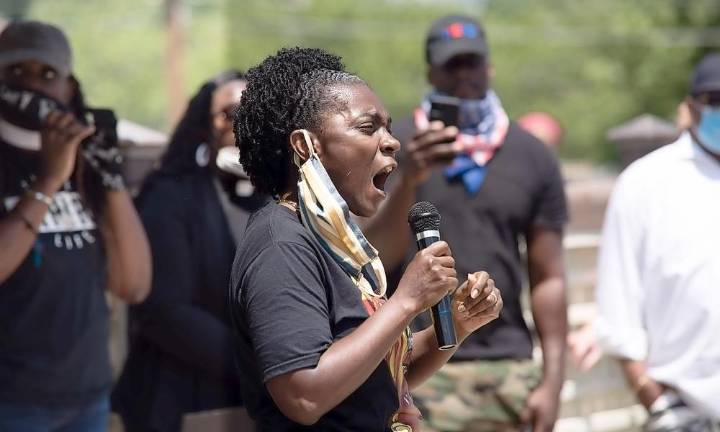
(300, 140)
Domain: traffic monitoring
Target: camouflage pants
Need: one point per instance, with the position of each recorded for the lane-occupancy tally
(478, 396)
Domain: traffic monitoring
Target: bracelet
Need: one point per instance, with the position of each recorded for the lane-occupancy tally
(40, 197)
(113, 182)
(27, 223)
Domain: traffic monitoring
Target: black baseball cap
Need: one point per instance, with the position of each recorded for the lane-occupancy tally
(707, 75)
(34, 40)
(453, 35)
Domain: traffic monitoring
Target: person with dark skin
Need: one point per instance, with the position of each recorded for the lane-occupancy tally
(127, 248)
(180, 358)
(53, 267)
(519, 194)
(318, 345)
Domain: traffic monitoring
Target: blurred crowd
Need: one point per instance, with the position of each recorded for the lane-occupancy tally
(70, 232)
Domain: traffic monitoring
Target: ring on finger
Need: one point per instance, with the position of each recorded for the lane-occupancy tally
(494, 298)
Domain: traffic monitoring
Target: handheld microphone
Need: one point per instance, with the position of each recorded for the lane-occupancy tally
(424, 220)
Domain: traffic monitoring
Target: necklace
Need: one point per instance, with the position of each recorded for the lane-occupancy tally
(292, 205)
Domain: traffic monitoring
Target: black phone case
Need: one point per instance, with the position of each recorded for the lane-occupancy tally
(445, 109)
(105, 123)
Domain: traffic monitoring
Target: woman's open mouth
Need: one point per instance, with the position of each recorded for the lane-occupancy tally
(381, 177)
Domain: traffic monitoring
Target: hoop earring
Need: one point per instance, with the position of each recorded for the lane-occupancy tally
(202, 155)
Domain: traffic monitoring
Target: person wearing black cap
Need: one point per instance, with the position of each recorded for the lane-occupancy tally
(68, 231)
(494, 184)
(658, 270)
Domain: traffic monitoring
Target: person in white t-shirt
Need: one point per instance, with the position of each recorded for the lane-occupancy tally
(658, 289)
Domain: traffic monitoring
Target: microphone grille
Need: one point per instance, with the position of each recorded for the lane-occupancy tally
(423, 216)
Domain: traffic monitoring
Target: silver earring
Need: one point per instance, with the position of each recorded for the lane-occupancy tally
(202, 155)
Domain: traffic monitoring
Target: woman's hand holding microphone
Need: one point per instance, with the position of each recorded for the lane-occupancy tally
(431, 275)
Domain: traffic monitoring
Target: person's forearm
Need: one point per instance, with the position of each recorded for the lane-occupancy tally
(645, 388)
(128, 251)
(388, 230)
(306, 395)
(16, 237)
(549, 305)
(426, 357)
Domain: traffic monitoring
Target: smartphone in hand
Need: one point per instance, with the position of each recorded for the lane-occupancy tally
(444, 108)
(105, 123)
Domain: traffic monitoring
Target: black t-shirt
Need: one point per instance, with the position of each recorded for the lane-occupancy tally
(181, 356)
(53, 314)
(523, 188)
(289, 301)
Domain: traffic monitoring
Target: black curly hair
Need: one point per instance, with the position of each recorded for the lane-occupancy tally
(287, 91)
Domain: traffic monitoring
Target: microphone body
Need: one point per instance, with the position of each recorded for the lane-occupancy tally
(424, 220)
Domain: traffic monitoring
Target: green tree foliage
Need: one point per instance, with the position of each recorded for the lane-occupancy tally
(119, 48)
(597, 64)
(382, 41)
(592, 64)
(13, 8)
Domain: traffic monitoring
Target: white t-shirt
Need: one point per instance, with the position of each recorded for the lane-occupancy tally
(658, 290)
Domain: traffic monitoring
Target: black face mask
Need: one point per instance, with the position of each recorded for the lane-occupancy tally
(27, 108)
(22, 113)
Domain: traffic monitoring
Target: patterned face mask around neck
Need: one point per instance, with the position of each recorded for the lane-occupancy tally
(326, 214)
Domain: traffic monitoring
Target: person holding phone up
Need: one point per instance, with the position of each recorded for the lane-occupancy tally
(494, 184)
(68, 231)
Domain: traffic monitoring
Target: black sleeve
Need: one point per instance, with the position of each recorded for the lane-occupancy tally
(168, 317)
(286, 309)
(550, 203)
